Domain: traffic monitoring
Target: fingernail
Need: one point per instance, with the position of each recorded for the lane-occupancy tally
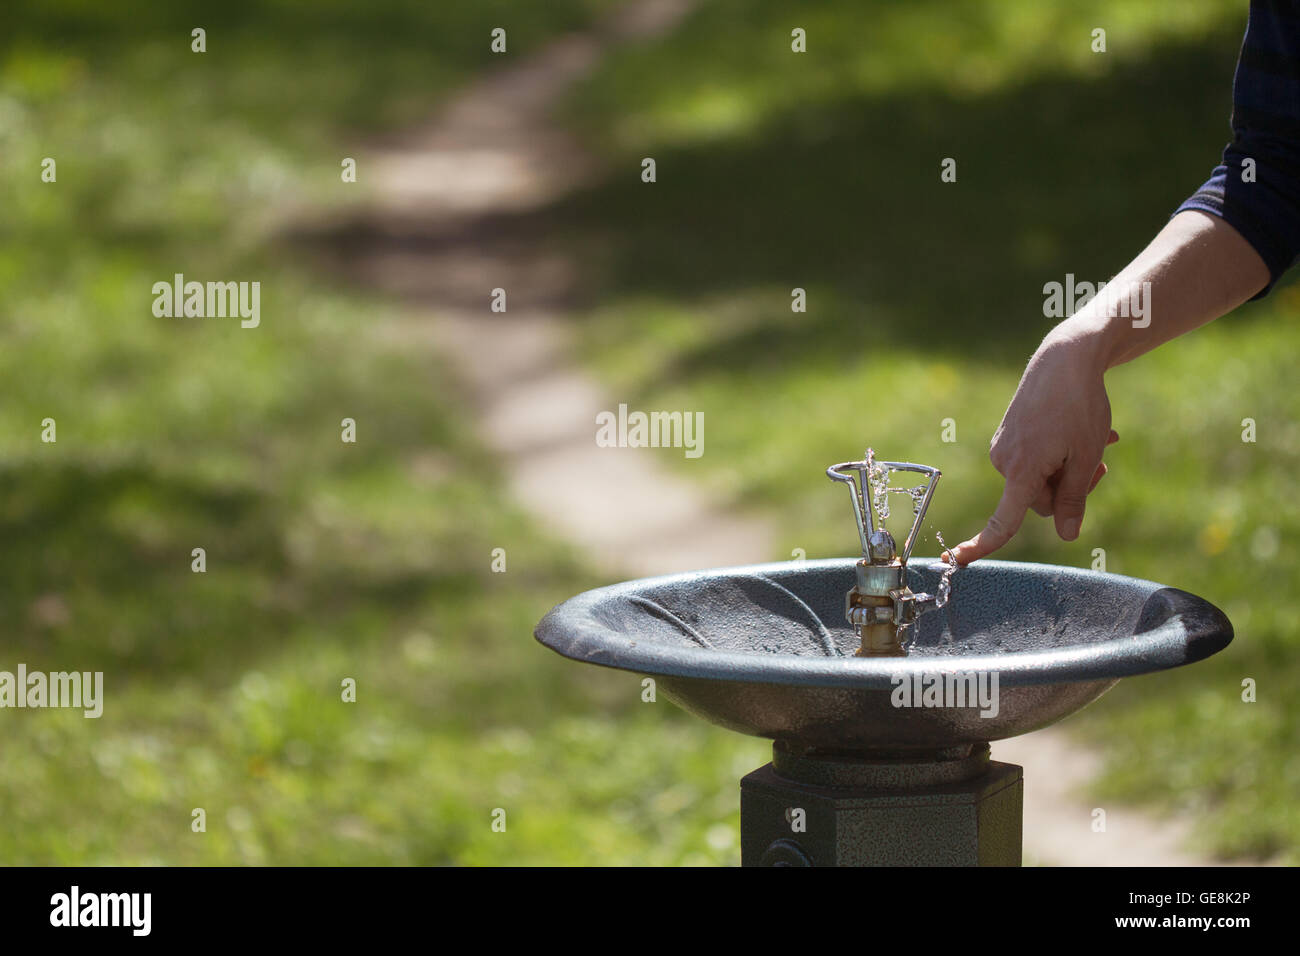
(1071, 529)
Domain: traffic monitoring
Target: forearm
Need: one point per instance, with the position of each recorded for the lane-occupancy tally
(1196, 269)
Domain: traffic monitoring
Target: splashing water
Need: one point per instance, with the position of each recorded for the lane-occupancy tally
(878, 479)
(943, 593)
(907, 636)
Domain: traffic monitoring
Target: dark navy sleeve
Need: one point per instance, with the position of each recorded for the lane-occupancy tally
(1266, 129)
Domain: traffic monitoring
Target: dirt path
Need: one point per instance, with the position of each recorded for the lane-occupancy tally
(436, 236)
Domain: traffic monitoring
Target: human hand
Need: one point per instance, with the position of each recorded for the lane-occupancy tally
(1050, 443)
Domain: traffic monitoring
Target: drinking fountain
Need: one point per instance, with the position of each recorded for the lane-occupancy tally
(880, 606)
(882, 682)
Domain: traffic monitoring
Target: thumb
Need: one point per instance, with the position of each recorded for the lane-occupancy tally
(1071, 496)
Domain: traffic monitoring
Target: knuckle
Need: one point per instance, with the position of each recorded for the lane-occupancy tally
(997, 527)
(1070, 501)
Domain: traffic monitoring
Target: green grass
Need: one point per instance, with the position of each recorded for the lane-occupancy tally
(821, 171)
(325, 560)
(328, 560)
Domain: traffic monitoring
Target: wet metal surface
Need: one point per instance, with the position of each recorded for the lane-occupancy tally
(765, 650)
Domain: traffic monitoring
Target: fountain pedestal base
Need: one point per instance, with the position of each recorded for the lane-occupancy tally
(816, 810)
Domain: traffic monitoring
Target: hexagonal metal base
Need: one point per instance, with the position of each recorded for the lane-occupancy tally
(945, 812)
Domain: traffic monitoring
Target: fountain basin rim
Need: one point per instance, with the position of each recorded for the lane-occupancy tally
(1192, 630)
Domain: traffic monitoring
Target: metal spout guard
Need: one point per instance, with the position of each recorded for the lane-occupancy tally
(864, 512)
(880, 595)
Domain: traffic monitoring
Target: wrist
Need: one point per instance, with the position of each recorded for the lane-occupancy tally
(1091, 340)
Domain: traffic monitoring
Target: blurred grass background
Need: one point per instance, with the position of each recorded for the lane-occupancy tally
(328, 560)
(324, 560)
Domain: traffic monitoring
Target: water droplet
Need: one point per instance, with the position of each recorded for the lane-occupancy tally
(944, 591)
(878, 480)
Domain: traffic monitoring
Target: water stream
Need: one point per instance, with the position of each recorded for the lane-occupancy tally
(944, 591)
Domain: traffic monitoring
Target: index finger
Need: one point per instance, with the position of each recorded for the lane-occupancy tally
(1002, 526)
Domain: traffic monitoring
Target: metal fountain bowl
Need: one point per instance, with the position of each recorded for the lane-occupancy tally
(765, 649)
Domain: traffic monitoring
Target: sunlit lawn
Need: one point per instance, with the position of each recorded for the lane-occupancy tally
(325, 560)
